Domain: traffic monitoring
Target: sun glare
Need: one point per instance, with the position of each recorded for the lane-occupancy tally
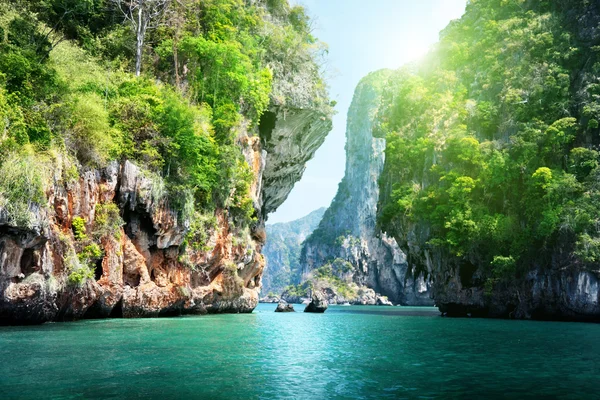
(414, 50)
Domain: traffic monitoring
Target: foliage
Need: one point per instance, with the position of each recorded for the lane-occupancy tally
(491, 141)
(107, 221)
(331, 275)
(90, 253)
(79, 229)
(299, 290)
(22, 187)
(91, 138)
(201, 226)
(79, 275)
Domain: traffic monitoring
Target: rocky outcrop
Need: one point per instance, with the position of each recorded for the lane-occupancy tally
(360, 296)
(348, 230)
(569, 293)
(282, 251)
(318, 303)
(144, 269)
(269, 299)
(284, 307)
(290, 137)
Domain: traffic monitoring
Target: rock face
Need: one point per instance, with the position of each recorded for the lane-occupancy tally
(284, 307)
(348, 229)
(290, 138)
(144, 271)
(282, 251)
(318, 303)
(543, 293)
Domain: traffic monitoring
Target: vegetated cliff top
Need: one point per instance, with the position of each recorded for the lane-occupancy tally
(208, 69)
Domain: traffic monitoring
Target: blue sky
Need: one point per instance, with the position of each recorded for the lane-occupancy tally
(363, 36)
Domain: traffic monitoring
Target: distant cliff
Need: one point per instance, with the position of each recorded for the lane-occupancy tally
(348, 236)
(282, 251)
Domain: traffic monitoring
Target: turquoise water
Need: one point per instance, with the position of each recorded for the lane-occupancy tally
(348, 352)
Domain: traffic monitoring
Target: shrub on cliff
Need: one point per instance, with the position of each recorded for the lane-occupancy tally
(22, 188)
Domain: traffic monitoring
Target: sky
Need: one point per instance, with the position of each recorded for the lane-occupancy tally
(363, 36)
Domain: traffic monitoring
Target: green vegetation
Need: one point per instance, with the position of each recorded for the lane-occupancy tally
(79, 275)
(492, 141)
(329, 276)
(89, 253)
(69, 87)
(21, 186)
(108, 221)
(201, 227)
(333, 275)
(79, 230)
(299, 290)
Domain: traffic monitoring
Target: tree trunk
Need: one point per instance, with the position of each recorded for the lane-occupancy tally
(140, 39)
(176, 61)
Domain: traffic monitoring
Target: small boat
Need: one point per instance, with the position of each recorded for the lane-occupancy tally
(345, 304)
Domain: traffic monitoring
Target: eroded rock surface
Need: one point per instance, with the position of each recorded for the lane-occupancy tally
(284, 307)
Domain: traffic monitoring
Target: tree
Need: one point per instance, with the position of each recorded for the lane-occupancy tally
(143, 15)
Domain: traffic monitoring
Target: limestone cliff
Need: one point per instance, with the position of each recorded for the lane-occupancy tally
(348, 230)
(502, 247)
(145, 269)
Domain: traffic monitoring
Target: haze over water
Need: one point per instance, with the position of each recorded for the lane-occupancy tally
(348, 352)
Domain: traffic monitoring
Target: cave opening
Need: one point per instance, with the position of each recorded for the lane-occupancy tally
(466, 272)
(137, 220)
(27, 263)
(117, 311)
(98, 270)
(266, 126)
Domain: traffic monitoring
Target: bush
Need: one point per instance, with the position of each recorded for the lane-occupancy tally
(503, 267)
(12, 124)
(90, 253)
(22, 177)
(91, 136)
(201, 226)
(78, 276)
(107, 221)
(79, 230)
(79, 271)
(300, 290)
(588, 248)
